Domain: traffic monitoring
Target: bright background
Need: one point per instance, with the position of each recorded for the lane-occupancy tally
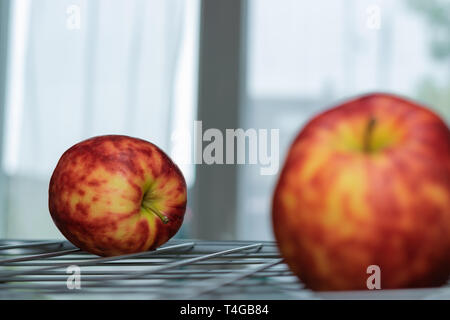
(75, 69)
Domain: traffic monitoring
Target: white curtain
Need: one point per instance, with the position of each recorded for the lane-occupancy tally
(83, 68)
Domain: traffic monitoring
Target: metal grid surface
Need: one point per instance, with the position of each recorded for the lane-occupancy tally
(180, 269)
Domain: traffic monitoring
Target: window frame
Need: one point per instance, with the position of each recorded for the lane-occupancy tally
(221, 88)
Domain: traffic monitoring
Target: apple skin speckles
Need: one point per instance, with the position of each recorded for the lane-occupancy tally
(96, 193)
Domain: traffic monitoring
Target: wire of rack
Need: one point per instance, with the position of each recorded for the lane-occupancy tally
(180, 269)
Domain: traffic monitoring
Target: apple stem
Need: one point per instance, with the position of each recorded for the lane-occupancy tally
(368, 134)
(151, 208)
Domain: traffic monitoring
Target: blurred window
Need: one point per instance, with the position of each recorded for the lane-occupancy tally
(303, 56)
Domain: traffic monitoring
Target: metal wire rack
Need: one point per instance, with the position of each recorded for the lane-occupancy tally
(180, 269)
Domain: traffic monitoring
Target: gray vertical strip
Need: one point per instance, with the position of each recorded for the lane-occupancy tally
(245, 112)
(4, 31)
(90, 68)
(221, 29)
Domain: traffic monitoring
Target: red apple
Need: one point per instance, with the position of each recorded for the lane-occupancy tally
(367, 183)
(113, 195)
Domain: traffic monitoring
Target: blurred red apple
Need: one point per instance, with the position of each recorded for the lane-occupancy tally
(367, 183)
(112, 195)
